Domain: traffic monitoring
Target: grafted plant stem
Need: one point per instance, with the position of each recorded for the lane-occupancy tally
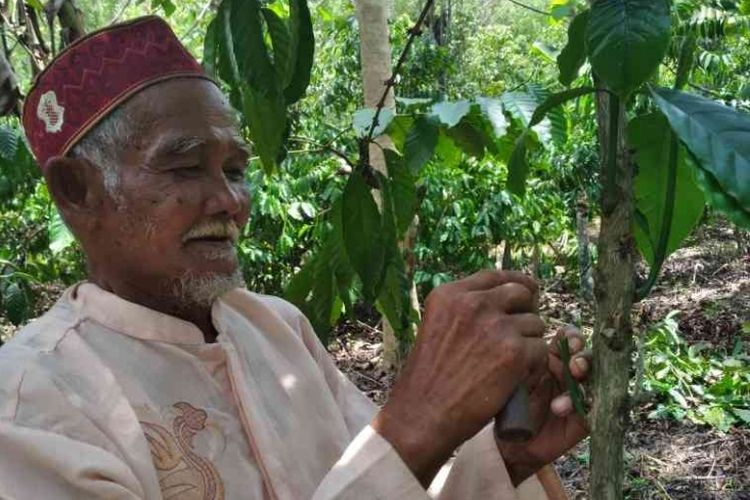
(614, 290)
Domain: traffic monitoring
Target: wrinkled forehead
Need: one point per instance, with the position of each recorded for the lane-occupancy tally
(182, 112)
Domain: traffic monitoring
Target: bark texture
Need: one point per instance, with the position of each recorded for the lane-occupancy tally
(613, 333)
(586, 281)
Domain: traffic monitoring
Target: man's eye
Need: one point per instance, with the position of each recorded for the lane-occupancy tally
(235, 174)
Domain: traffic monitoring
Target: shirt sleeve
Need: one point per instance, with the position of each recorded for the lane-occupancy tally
(41, 464)
(371, 468)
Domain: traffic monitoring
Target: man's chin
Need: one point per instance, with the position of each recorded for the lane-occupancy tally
(195, 289)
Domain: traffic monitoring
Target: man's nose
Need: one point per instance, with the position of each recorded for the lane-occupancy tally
(226, 197)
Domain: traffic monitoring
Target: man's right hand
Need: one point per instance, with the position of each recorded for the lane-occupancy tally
(479, 339)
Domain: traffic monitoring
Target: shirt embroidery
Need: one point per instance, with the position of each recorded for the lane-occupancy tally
(183, 473)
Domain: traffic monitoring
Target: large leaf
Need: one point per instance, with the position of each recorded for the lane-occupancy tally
(717, 136)
(518, 167)
(8, 143)
(302, 47)
(650, 136)
(450, 113)
(251, 52)
(421, 142)
(265, 113)
(627, 40)
(283, 57)
(493, 110)
(573, 56)
(403, 186)
(362, 231)
(522, 105)
(362, 121)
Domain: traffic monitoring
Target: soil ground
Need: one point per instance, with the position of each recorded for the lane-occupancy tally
(708, 281)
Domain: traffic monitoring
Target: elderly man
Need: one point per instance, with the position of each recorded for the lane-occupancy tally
(162, 377)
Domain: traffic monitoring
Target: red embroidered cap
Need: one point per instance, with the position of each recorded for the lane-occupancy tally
(96, 74)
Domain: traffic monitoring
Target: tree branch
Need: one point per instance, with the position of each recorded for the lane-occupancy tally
(414, 32)
(529, 7)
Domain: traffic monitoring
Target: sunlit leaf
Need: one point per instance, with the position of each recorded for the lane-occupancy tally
(450, 113)
(363, 118)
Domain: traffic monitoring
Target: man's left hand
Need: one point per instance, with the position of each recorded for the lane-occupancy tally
(552, 413)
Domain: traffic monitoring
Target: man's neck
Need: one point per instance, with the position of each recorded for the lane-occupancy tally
(164, 302)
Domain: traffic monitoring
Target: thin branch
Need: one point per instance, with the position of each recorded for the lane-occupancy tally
(529, 7)
(202, 13)
(414, 32)
(325, 147)
(119, 15)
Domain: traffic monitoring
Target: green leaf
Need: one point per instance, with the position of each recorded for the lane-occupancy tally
(16, 303)
(36, 5)
(398, 130)
(283, 59)
(650, 136)
(518, 167)
(627, 40)
(573, 56)
(363, 121)
(493, 110)
(421, 143)
(303, 48)
(450, 113)
(717, 136)
(362, 232)
(743, 415)
(522, 105)
(265, 113)
(555, 100)
(719, 199)
(8, 143)
(474, 134)
(403, 186)
(252, 54)
(60, 236)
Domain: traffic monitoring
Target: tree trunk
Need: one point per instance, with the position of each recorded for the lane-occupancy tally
(614, 291)
(372, 16)
(586, 282)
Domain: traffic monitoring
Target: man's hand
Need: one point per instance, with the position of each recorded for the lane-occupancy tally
(559, 427)
(479, 339)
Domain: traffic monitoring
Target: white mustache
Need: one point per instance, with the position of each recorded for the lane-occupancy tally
(213, 229)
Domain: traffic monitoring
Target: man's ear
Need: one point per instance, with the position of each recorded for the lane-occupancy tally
(75, 184)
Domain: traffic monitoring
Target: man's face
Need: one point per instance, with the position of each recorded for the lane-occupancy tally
(182, 197)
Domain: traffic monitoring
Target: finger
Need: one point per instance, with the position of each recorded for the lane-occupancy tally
(580, 365)
(510, 298)
(527, 325)
(486, 280)
(576, 340)
(562, 406)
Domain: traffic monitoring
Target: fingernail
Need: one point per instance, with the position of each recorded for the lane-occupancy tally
(562, 405)
(582, 364)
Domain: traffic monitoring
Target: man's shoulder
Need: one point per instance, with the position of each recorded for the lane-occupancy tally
(25, 352)
(43, 333)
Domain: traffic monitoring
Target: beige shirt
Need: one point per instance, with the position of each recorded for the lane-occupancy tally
(103, 398)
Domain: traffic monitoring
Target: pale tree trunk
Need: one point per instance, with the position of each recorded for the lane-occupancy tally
(613, 333)
(372, 16)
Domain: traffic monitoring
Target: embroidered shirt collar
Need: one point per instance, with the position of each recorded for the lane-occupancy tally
(105, 308)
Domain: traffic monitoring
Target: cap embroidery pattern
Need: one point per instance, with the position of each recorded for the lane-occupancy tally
(50, 112)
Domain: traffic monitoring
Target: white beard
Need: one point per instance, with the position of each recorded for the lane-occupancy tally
(203, 290)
